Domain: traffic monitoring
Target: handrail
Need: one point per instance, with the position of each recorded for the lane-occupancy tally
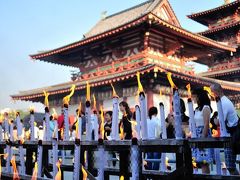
(182, 148)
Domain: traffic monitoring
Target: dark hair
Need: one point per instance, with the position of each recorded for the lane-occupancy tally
(217, 87)
(109, 112)
(203, 98)
(82, 113)
(125, 104)
(214, 126)
(152, 111)
(182, 105)
(215, 114)
(74, 127)
(134, 115)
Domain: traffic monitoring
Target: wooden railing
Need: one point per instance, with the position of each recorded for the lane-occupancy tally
(182, 148)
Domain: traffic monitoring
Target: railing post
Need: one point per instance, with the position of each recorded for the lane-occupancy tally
(135, 164)
(101, 158)
(40, 158)
(9, 157)
(90, 161)
(29, 161)
(1, 152)
(82, 160)
(55, 156)
(179, 160)
(21, 157)
(188, 160)
(76, 173)
(124, 162)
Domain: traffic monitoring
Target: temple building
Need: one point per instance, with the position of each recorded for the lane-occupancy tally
(223, 24)
(146, 38)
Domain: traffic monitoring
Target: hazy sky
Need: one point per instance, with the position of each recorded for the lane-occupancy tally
(28, 26)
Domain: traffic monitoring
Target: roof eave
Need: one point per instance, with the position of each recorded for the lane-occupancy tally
(198, 37)
(219, 29)
(150, 67)
(203, 13)
(91, 39)
(119, 29)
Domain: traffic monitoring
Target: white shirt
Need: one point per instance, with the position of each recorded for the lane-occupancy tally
(229, 112)
(153, 126)
(198, 116)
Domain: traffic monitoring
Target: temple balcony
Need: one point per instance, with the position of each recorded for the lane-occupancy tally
(224, 22)
(225, 65)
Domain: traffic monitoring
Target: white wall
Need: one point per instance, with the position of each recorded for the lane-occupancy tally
(164, 99)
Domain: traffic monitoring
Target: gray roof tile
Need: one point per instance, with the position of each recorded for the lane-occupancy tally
(123, 17)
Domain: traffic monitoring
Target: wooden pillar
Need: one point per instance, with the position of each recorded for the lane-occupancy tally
(82, 161)
(124, 164)
(1, 152)
(188, 160)
(149, 98)
(90, 158)
(146, 40)
(29, 160)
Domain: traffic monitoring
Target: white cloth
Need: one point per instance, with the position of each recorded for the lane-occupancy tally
(229, 112)
(73, 135)
(36, 132)
(198, 116)
(153, 126)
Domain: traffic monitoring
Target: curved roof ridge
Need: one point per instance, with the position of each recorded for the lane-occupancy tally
(128, 9)
(213, 9)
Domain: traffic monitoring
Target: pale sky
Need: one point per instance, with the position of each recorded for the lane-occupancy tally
(29, 26)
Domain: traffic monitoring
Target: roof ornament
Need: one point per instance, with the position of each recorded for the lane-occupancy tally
(227, 1)
(103, 15)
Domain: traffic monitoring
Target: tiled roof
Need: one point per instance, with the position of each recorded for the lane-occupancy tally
(119, 21)
(211, 11)
(64, 87)
(104, 80)
(122, 17)
(193, 36)
(209, 31)
(220, 72)
(179, 30)
(227, 85)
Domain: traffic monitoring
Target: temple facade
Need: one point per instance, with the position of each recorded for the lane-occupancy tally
(148, 39)
(223, 24)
